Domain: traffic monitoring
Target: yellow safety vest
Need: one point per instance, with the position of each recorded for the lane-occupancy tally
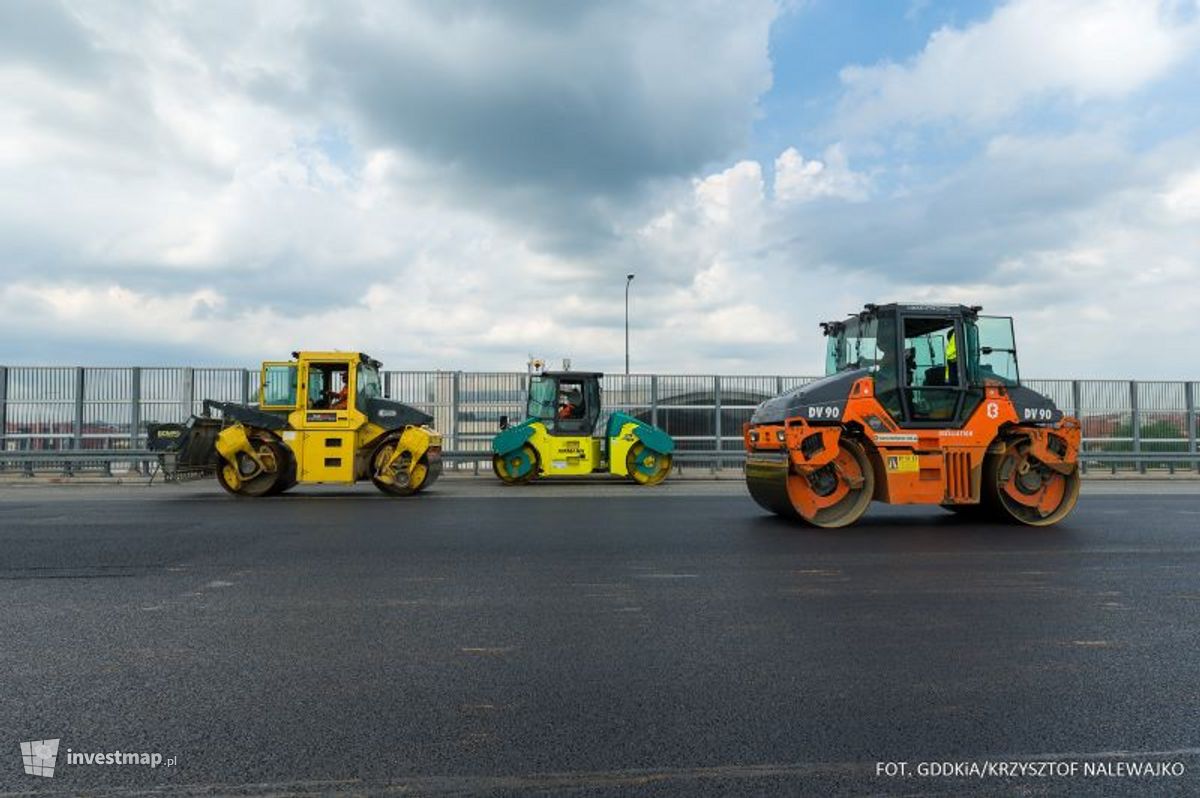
(951, 353)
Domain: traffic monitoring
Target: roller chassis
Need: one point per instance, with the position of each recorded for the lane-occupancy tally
(561, 436)
(259, 451)
(953, 426)
(629, 448)
(190, 451)
(807, 468)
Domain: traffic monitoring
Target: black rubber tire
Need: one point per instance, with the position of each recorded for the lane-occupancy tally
(287, 479)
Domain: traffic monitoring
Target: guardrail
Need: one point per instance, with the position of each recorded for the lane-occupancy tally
(109, 462)
(70, 462)
(59, 407)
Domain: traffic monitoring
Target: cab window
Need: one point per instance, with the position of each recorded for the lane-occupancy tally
(570, 404)
(328, 384)
(543, 394)
(852, 347)
(578, 406)
(993, 351)
(368, 384)
(278, 386)
(887, 367)
(931, 368)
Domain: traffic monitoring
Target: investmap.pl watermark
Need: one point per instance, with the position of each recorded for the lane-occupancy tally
(41, 757)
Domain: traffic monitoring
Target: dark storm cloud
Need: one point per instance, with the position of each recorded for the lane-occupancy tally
(546, 104)
(68, 348)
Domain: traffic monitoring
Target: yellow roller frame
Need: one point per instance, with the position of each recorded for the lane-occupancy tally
(230, 442)
(414, 440)
(619, 448)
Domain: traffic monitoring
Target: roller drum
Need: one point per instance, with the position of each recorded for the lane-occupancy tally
(766, 479)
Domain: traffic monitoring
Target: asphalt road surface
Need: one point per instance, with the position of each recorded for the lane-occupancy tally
(592, 641)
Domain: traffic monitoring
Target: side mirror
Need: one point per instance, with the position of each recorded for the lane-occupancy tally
(503, 422)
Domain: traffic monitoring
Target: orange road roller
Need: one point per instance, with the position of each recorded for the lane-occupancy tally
(920, 404)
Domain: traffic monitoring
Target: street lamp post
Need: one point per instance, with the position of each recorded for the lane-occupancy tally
(628, 280)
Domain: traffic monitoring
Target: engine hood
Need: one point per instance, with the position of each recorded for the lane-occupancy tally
(390, 414)
(820, 400)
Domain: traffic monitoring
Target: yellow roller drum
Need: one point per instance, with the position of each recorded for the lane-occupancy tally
(407, 462)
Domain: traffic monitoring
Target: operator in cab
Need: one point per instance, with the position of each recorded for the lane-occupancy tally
(951, 359)
(568, 404)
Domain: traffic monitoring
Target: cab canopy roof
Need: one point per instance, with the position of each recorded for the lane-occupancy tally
(568, 375)
(871, 310)
(349, 357)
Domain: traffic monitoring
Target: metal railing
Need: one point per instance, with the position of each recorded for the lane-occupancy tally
(141, 463)
(51, 414)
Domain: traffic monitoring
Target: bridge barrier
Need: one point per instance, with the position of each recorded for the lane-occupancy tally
(62, 414)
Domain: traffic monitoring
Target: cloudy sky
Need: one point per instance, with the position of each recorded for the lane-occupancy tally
(457, 185)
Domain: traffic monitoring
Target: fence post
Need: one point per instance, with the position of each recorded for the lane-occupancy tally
(3, 411)
(1189, 395)
(717, 417)
(77, 426)
(246, 387)
(455, 409)
(778, 385)
(77, 419)
(1077, 411)
(1136, 425)
(135, 406)
(654, 399)
(187, 392)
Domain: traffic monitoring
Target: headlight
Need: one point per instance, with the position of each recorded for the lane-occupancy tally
(780, 435)
(754, 436)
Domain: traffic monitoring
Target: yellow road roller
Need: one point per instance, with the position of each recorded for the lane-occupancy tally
(321, 418)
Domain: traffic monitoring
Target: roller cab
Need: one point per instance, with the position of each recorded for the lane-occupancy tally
(920, 404)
